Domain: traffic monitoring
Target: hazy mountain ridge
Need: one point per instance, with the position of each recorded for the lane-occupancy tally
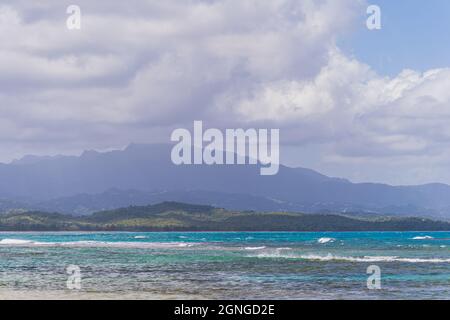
(82, 185)
(83, 204)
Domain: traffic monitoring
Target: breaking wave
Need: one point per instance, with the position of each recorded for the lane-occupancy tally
(96, 244)
(423, 238)
(331, 257)
(15, 242)
(326, 240)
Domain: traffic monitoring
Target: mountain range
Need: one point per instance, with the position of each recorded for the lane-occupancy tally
(144, 174)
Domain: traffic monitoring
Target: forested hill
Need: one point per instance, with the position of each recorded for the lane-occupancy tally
(173, 216)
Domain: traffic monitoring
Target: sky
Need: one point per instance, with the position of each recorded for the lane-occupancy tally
(413, 36)
(367, 105)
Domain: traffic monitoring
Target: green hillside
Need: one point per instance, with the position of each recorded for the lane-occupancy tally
(172, 216)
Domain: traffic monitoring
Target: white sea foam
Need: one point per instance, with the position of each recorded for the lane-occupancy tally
(331, 257)
(15, 242)
(254, 248)
(97, 244)
(423, 238)
(325, 240)
(151, 245)
(140, 237)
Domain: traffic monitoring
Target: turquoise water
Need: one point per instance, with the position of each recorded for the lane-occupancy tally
(240, 265)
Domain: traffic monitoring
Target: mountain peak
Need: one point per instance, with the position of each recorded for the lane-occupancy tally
(32, 159)
(89, 153)
(148, 167)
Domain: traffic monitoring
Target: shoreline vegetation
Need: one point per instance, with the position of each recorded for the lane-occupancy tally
(174, 216)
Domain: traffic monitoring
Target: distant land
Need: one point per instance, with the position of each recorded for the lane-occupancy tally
(173, 216)
(144, 174)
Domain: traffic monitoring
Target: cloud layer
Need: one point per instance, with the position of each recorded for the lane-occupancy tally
(138, 69)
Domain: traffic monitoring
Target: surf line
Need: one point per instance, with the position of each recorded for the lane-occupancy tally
(235, 146)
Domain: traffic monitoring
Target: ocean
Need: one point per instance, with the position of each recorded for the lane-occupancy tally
(228, 265)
